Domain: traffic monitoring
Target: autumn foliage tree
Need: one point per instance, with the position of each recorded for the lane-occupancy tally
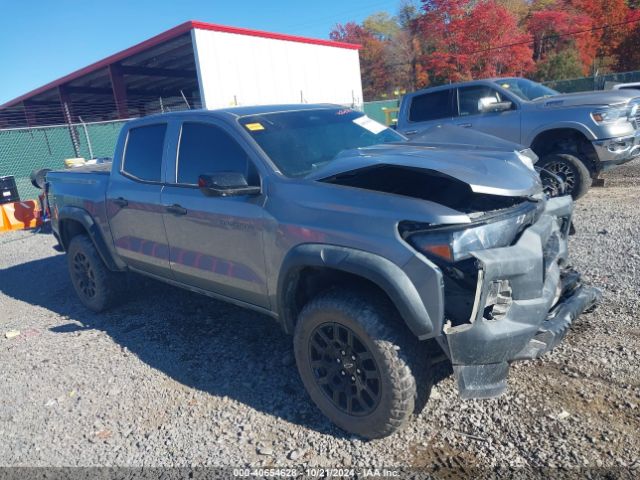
(437, 41)
(607, 16)
(628, 50)
(373, 65)
(556, 30)
(464, 38)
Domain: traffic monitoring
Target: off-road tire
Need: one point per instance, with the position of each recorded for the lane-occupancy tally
(376, 324)
(97, 287)
(566, 165)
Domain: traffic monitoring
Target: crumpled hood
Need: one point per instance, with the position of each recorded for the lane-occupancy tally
(600, 98)
(459, 138)
(490, 172)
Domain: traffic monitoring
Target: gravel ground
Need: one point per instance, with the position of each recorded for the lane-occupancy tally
(174, 379)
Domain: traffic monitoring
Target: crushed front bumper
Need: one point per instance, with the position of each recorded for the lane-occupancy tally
(616, 151)
(544, 298)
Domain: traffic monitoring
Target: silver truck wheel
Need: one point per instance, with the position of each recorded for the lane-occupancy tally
(570, 169)
(355, 362)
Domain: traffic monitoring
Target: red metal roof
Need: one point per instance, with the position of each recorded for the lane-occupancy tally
(277, 36)
(168, 35)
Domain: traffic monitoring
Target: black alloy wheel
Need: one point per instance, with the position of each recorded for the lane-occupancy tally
(97, 287)
(83, 275)
(344, 369)
(358, 362)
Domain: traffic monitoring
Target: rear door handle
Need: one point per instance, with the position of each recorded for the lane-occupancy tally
(411, 132)
(464, 125)
(176, 209)
(121, 202)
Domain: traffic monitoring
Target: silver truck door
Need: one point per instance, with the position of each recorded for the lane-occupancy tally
(133, 201)
(504, 124)
(215, 242)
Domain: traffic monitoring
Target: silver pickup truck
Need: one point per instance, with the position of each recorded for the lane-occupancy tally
(577, 136)
(375, 253)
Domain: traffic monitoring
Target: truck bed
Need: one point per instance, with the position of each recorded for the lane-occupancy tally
(81, 187)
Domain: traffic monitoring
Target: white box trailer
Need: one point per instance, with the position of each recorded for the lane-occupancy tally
(247, 67)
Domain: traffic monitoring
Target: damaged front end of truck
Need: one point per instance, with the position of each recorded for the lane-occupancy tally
(509, 293)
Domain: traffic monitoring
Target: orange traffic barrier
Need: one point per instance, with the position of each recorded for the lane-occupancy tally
(4, 223)
(20, 215)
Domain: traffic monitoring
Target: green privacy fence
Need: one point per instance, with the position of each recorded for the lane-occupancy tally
(376, 110)
(600, 82)
(23, 150)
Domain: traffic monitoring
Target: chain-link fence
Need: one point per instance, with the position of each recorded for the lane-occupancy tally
(23, 150)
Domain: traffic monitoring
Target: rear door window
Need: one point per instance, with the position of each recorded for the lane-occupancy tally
(431, 106)
(143, 154)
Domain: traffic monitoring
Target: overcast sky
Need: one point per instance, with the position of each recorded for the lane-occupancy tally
(42, 40)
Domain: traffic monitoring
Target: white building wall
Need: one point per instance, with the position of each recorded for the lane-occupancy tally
(236, 69)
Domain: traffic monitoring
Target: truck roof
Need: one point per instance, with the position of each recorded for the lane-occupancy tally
(249, 110)
(481, 81)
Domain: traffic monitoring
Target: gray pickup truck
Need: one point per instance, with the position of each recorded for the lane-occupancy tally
(577, 136)
(371, 251)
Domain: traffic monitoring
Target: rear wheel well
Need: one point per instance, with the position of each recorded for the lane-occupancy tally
(567, 140)
(308, 282)
(69, 229)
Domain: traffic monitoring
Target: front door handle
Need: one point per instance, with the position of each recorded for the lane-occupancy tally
(121, 202)
(176, 209)
(464, 125)
(411, 132)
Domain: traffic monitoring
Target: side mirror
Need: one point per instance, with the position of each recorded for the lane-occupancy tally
(491, 104)
(225, 184)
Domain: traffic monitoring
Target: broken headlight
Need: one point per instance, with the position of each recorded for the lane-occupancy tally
(499, 300)
(456, 242)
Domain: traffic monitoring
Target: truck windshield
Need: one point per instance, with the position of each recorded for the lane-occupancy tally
(299, 142)
(526, 89)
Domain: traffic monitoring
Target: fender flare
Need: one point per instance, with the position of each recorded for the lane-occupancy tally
(577, 126)
(85, 219)
(385, 274)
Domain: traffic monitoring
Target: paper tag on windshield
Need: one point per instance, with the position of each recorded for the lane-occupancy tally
(371, 125)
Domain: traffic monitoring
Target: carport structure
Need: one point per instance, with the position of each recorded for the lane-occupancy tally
(194, 65)
(127, 84)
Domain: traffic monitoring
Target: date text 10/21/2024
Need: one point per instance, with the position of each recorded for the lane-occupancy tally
(317, 472)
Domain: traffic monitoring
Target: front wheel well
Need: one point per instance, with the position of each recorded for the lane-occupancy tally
(567, 140)
(308, 282)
